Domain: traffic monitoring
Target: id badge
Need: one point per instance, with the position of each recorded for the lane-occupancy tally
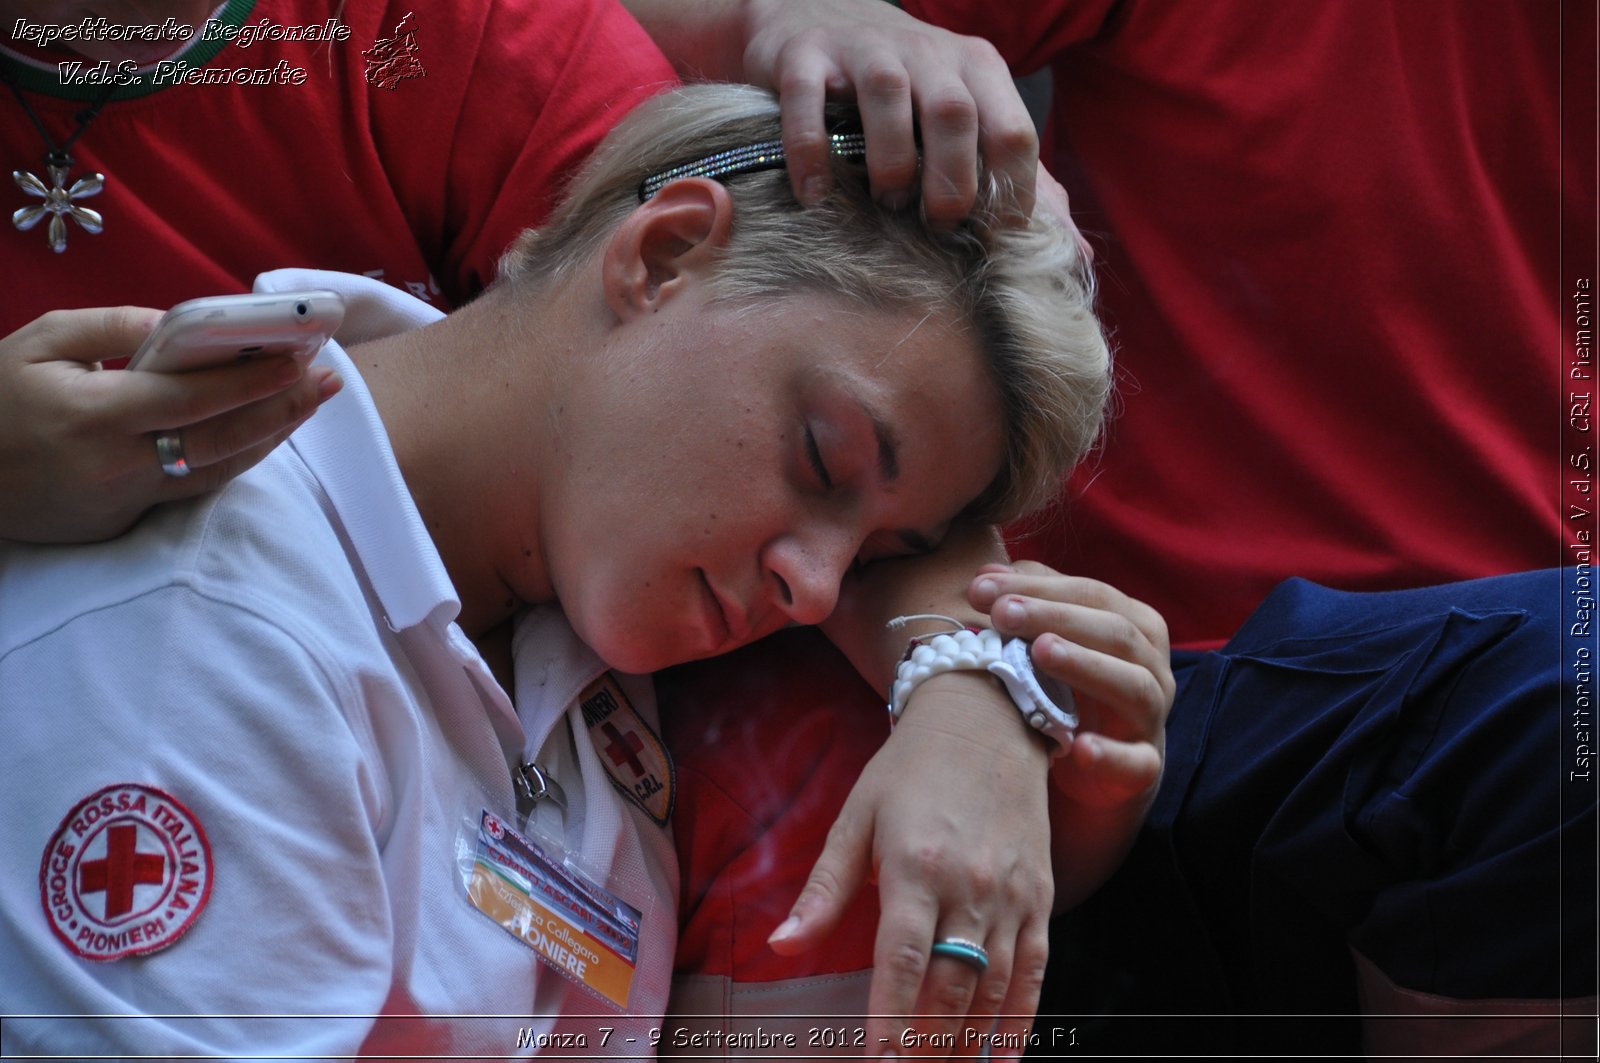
(577, 926)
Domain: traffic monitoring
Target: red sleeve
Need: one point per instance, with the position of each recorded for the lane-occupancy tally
(515, 95)
(1029, 35)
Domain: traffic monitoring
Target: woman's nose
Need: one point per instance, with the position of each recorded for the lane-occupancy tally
(808, 569)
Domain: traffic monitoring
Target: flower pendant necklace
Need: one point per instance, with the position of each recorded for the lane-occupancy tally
(59, 198)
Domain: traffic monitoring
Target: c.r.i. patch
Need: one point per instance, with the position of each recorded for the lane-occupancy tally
(127, 873)
(633, 755)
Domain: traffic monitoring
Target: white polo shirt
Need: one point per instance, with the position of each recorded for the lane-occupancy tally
(246, 750)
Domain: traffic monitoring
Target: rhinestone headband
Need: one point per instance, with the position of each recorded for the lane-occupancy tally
(765, 155)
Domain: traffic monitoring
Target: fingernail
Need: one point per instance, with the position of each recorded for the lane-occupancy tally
(1057, 649)
(1010, 612)
(988, 587)
(899, 199)
(785, 929)
(329, 383)
(813, 190)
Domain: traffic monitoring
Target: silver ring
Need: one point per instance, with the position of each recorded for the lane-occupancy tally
(169, 452)
(968, 952)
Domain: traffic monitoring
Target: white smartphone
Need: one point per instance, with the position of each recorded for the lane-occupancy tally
(222, 329)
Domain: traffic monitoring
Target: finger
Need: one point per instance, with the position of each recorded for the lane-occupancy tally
(1032, 580)
(91, 335)
(802, 99)
(1021, 1003)
(1135, 693)
(883, 98)
(214, 476)
(900, 964)
(949, 120)
(974, 1036)
(154, 402)
(1100, 629)
(943, 1021)
(838, 873)
(1115, 770)
(1006, 134)
(1035, 580)
(1052, 199)
(219, 438)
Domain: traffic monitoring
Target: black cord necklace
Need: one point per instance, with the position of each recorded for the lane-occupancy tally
(58, 197)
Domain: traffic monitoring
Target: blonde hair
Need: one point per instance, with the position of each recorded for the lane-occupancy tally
(1026, 291)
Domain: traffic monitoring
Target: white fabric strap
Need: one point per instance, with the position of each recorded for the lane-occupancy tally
(1045, 704)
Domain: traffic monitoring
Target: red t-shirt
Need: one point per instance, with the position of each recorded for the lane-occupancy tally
(422, 184)
(1329, 237)
(1329, 241)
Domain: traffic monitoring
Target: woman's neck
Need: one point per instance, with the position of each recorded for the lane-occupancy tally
(460, 400)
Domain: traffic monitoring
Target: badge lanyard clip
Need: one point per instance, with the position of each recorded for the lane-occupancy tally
(533, 784)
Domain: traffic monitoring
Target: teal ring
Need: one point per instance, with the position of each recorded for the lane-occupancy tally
(968, 952)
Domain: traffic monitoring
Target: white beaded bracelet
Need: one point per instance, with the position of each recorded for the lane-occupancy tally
(1051, 712)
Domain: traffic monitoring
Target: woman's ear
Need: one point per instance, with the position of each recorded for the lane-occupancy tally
(665, 245)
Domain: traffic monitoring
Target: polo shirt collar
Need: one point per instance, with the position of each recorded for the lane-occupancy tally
(347, 449)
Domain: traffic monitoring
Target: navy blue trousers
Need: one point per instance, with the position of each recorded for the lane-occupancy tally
(1398, 773)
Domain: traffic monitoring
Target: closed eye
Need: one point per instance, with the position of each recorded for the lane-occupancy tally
(910, 544)
(814, 455)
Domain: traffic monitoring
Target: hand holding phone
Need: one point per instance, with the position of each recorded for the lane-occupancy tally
(77, 455)
(222, 329)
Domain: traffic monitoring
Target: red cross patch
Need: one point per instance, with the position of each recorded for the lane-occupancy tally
(126, 873)
(634, 757)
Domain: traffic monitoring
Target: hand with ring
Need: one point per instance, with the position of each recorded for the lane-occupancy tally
(169, 452)
(975, 832)
(951, 817)
(83, 453)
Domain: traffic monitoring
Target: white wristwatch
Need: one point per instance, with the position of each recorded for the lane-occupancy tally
(1045, 704)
